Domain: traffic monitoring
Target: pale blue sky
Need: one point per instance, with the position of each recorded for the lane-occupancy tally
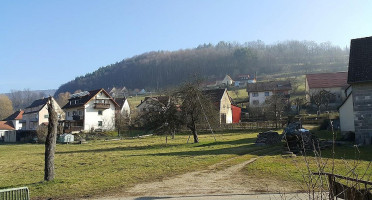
(44, 44)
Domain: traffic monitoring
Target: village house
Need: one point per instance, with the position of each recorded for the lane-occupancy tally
(243, 79)
(90, 111)
(336, 83)
(150, 103)
(123, 106)
(260, 91)
(227, 81)
(9, 126)
(359, 101)
(119, 92)
(223, 102)
(37, 114)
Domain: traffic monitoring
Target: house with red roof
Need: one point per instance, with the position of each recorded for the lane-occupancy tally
(9, 126)
(335, 83)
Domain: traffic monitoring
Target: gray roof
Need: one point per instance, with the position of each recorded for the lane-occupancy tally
(269, 86)
(360, 60)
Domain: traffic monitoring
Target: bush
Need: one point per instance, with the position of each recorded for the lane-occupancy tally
(41, 133)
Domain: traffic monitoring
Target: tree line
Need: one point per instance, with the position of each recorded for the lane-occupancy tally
(163, 69)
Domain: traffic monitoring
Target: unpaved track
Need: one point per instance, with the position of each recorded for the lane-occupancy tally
(208, 181)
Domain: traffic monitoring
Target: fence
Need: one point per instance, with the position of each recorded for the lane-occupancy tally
(21, 193)
(353, 192)
(243, 126)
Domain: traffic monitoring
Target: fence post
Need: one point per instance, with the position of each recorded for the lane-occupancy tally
(331, 186)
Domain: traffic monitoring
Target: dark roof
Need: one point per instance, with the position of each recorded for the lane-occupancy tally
(120, 101)
(215, 95)
(39, 102)
(327, 80)
(162, 99)
(15, 116)
(360, 60)
(82, 100)
(269, 86)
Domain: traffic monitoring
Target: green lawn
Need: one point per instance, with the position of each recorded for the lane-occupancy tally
(113, 166)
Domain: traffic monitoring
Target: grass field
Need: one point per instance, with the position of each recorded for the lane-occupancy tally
(108, 167)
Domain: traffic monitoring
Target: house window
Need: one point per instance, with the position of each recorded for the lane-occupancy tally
(267, 94)
(73, 113)
(255, 102)
(68, 114)
(46, 116)
(99, 123)
(255, 94)
(100, 112)
(80, 112)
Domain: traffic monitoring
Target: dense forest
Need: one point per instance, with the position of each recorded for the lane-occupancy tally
(161, 69)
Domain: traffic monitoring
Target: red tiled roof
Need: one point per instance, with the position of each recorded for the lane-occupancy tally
(327, 80)
(6, 125)
(15, 116)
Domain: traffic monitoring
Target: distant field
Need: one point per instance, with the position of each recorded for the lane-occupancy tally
(111, 167)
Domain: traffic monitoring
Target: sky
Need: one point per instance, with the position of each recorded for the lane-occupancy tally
(44, 44)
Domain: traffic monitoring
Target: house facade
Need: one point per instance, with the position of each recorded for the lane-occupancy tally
(90, 111)
(123, 105)
(335, 83)
(260, 91)
(360, 79)
(37, 114)
(222, 100)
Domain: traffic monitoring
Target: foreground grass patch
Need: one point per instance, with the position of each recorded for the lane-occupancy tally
(111, 166)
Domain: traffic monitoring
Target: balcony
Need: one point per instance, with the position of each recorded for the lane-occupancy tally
(77, 117)
(101, 105)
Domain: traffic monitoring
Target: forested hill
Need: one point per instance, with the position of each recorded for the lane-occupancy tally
(167, 68)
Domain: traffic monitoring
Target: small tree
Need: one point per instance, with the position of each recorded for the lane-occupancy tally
(275, 106)
(321, 97)
(195, 107)
(122, 122)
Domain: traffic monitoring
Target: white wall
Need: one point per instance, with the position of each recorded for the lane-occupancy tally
(261, 98)
(347, 115)
(225, 108)
(91, 116)
(125, 109)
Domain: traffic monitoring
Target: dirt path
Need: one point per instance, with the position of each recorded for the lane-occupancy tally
(202, 182)
(211, 181)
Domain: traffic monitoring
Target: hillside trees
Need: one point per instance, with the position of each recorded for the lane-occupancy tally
(163, 69)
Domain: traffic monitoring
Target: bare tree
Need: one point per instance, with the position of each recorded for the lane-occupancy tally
(275, 106)
(6, 108)
(195, 107)
(50, 143)
(321, 97)
(62, 98)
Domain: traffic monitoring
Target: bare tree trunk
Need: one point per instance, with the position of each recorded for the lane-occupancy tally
(195, 134)
(50, 143)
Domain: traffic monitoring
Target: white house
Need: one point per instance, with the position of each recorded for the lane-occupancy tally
(347, 112)
(124, 106)
(6, 127)
(258, 92)
(37, 113)
(227, 80)
(222, 100)
(88, 111)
